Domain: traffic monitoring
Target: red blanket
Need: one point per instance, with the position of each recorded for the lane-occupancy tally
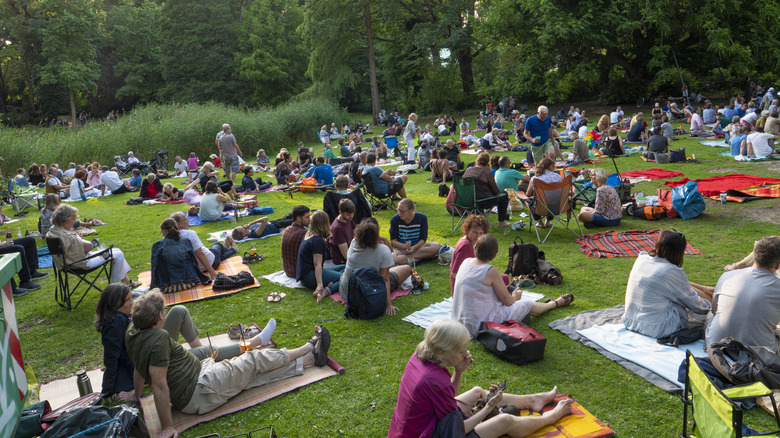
(622, 244)
(714, 185)
(652, 174)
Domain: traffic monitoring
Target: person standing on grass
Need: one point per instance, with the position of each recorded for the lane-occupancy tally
(410, 132)
(230, 152)
(539, 131)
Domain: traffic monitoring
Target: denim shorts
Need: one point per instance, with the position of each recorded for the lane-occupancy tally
(600, 221)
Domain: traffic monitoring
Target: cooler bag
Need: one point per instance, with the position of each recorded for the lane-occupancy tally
(512, 340)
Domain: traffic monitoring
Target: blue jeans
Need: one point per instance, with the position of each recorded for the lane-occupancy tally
(600, 221)
(331, 274)
(220, 253)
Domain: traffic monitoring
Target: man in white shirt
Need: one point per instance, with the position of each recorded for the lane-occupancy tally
(749, 119)
(759, 144)
(614, 116)
(427, 135)
(71, 170)
(110, 179)
(131, 159)
(208, 259)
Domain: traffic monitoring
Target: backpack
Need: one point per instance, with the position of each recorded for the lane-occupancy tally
(547, 273)
(367, 294)
(443, 190)
(745, 364)
(512, 340)
(677, 155)
(650, 212)
(522, 258)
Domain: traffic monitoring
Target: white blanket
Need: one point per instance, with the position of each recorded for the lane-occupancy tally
(220, 236)
(281, 279)
(643, 350)
(443, 309)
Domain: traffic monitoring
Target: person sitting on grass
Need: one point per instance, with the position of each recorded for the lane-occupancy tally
(250, 184)
(174, 372)
(93, 176)
(385, 182)
(263, 162)
(613, 143)
(285, 171)
(474, 227)
(409, 235)
(79, 189)
(759, 144)
(367, 250)
(323, 172)
(657, 143)
(212, 206)
(180, 167)
(637, 132)
(174, 265)
(311, 256)
(480, 293)
(55, 185)
(581, 152)
(330, 157)
(544, 172)
(208, 259)
(170, 193)
(292, 237)
(136, 180)
(342, 185)
(440, 167)
(608, 211)
(659, 297)
(151, 187)
(75, 248)
(342, 230)
(428, 392)
(112, 316)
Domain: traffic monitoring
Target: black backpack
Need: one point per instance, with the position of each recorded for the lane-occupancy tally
(522, 258)
(367, 294)
(443, 190)
(743, 364)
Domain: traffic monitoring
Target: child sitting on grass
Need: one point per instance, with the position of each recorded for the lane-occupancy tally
(136, 180)
(263, 163)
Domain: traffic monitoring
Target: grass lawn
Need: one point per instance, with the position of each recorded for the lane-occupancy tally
(58, 343)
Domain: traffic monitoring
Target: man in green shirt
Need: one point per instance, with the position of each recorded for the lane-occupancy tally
(200, 380)
(507, 178)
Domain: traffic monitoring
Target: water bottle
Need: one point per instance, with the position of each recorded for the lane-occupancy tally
(19, 233)
(83, 383)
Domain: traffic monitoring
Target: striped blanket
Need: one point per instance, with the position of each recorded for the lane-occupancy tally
(622, 244)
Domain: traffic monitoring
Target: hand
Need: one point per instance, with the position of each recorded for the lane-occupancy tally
(212, 274)
(127, 396)
(411, 250)
(390, 310)
(168, 432)
(495, 400)
(464, 363)
(517, 294)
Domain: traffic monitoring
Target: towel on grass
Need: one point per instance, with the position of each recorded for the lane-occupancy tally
(195, 221)
(714, 185)
(579, 424)
(715, 143)
(622, 244)
(443, 309)
(652, 174)
(220, 236)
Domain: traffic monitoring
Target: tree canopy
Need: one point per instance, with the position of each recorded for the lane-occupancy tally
(57, 57)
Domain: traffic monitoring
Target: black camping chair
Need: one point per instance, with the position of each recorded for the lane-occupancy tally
(63, 270)
(378, 201)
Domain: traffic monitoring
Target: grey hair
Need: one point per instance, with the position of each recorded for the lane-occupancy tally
(443, 335)
(63, 213)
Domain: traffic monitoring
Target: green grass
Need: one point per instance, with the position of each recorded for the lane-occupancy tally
(360, 403)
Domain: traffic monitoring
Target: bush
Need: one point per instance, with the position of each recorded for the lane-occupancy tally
(177, 128)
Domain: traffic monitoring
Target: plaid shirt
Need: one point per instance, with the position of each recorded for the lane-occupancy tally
(291, 241)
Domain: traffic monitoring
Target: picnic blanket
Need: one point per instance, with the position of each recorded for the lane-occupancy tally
(279, 278)
(443, 309)
(622, 244)
(601, 330)
(579, 424)
(195, 221)
(231, 266)
(714, 185)
(715, 143)
(157, 201)
(651, 174)
(220, 236)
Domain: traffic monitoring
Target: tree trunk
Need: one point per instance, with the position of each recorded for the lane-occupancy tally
(465, 62)
(371, 62)
(72, 108)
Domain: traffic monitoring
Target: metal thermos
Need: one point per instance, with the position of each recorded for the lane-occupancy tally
(83, 383)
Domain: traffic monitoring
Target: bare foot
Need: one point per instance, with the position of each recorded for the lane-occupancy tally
(561, 410)
(230, 243)
(542, 399)
(504, 224)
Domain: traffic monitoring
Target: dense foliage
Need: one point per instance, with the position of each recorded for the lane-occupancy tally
(427, 55)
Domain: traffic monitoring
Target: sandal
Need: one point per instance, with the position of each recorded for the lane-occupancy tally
(567, 299)
(134, 284)
(275, 297)
(248, 258)
(320, 354)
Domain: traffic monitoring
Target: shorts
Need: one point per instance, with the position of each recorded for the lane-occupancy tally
(230, 164)
(600, 221)
(539, 151)
(396, 185)
(393, 279)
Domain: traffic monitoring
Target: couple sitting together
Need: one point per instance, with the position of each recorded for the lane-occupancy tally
(745, 303)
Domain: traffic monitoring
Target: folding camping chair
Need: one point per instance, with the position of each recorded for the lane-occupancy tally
(378, 201)
(63, 292)
(22, 197)
(554, 199)
(466, 200)
(716, 413)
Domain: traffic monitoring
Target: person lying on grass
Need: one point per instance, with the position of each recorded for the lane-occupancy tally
(368, 250)
(259, 228)
(428, 392)
(480, 294)
(659, 297)
(174, 372)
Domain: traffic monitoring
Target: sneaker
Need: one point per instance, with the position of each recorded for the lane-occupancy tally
(37, 275)
(20, 291)
(519, 225)
(29, 285)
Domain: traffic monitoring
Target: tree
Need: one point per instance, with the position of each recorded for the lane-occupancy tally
(271, 54)
(69, 53)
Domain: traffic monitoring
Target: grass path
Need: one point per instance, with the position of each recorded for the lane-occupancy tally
(360, 403)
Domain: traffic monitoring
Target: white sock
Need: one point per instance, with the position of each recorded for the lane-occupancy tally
(268, 331)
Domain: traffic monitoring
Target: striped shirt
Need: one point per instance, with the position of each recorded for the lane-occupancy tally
(411, 232)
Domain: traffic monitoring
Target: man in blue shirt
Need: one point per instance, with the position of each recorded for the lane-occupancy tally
(323, 173)
(385, 183)
(408, 235)
(539, 131)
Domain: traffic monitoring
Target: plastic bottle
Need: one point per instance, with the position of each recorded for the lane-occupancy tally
(19, 233)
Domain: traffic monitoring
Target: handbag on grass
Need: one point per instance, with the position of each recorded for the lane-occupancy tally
(512, 340)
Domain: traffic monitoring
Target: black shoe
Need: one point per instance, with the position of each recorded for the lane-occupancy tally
(29, 285)
(37, 275)
(19, 292)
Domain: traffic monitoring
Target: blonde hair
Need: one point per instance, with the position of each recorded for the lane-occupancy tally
(320, 225)
(600, 174)
(442, 336)
(413, 117)
(168, 186)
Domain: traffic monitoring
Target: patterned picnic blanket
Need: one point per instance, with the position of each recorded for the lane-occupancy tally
(652, 174)
(622, 244)
(714, 185)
